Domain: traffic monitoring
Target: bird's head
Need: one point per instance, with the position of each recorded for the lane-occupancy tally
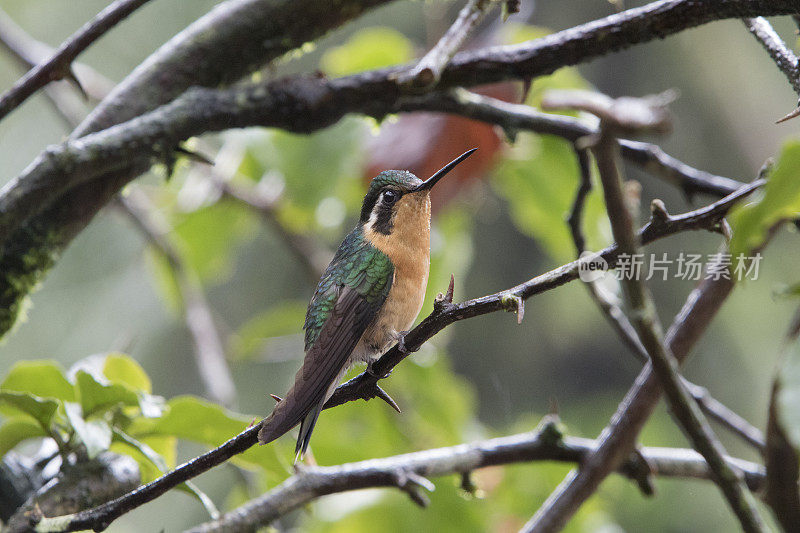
(395, 196)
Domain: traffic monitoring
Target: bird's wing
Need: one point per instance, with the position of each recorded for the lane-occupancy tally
(324, 361)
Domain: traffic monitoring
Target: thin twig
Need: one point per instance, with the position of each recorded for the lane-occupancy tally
(543, 444)
(783, 57)
(30, 52)
(427, 72)
(629, 115)
(212, 364)
(59, 65)
(625, 330)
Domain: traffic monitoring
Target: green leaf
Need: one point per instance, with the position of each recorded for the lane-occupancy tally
(539, 180)
(41, 409)
(156, 460)
(98, 394)
(367, 49)
(124, 370)
(780, 200)
(41, 378)
(94, 434)
(285, 318)
(15, 430)
(194, 419)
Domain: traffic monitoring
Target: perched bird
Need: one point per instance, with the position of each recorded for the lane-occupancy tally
(367, 298)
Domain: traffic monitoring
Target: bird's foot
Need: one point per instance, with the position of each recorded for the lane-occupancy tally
(401, 342)
(372, 372)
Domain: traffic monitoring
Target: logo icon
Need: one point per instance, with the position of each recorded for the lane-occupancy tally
(591, 267)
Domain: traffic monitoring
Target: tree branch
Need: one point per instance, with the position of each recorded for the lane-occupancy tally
(625, 116)
(625, 330)
(545, 444)
(428, 71)
(783, 57)
(84, 483)
(59, 65)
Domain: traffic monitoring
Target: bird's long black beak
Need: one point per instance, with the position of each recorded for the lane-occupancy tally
(430, 182)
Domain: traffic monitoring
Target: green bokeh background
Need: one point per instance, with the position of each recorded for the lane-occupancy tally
(485, 377)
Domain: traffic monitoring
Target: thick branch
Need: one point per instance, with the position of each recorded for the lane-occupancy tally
(79, 485)
(59, 65)
(542, 445)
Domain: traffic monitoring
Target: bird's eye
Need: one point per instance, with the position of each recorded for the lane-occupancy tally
(390, 197)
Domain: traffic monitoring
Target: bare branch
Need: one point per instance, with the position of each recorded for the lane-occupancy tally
(543, 444)
(517, 117)
(632, 116)
(427, 72)
(625, 330)
(59, 65)
(783, 57)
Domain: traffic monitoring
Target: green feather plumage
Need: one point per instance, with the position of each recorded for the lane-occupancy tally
(357, 264)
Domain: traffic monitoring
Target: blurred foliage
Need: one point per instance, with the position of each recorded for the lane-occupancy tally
(368, 49)
(315, 184)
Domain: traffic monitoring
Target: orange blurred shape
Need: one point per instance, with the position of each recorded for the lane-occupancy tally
(424, 142)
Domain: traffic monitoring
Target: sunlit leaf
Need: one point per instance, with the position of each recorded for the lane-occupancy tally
(367, 49)
(97, 394)
(94, 434)
(124, 370)
(156, 461)
(285, 318)
(15, 430)
(41, 409)
(194, 419)
(41, 378)
(780, 200)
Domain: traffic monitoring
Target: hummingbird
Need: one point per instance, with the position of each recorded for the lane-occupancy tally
(367, 298)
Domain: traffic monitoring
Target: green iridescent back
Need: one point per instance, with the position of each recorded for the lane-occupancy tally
(360, 266)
